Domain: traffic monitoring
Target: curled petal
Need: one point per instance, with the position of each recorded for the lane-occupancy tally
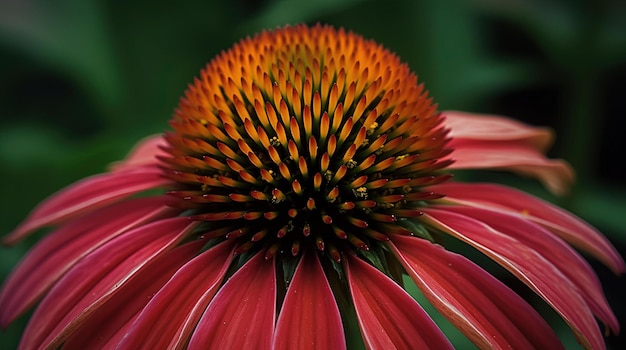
(242, 314)
(145, 153)
(309, 311)
(556, 175)
(495, 142)
(100, 274)
(389, 317)
(480, 127)
(527, 265)
(171, 316)
(481, 307)
(513, 202)
(61, 249)
(87, 195)
(111, 317)
(557, 252)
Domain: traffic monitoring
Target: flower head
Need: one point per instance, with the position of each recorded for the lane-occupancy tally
(305, 172)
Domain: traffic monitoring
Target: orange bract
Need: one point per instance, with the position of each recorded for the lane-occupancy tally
(306, 121)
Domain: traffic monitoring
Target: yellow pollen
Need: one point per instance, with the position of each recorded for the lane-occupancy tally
(361, 192)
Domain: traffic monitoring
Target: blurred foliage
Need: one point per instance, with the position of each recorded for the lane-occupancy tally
(83, 80)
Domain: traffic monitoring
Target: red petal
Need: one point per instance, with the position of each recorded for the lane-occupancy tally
(242, 314)
(145, 153)
(108, 319)
(98, 275)
(469, 126)
(510, 201)
(171, 316)
(389, 317)
(309, 311)
(484, 309)
(527, 265)
(60, 250)
(518, 157)
(86, 195)
(488, 141)
(553, 249)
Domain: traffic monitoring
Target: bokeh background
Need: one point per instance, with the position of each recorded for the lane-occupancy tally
(82, 80)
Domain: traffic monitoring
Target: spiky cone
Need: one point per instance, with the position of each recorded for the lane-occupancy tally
(305, 172)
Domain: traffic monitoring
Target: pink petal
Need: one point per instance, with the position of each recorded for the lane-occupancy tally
(527, 265)
(145, 153)
(481, 307)
(553, 249)
(518, 157)
(87, 195)
(171, 316)
(481, 127)
(100, 274)
(513, 202)
(309, 317)
(108, 318)
(495, 142)
(61, 249)
(389, 317)
(242, 314)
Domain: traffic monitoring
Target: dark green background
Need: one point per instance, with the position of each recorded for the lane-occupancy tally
(82, 80)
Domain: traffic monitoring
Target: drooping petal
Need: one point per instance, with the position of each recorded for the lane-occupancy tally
(145, 153)
(513, 202)
(527, 265)
(171, 316)
(87, 195)
(309, 317)
(242, 314)
(110, 317)
(61, 249)
(99, 274)
(388, 316)
(481, 307)
(556, 175)
(470, 126)
(553, 249)
(495, 142)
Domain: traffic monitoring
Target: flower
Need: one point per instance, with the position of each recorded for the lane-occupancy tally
(305, 172)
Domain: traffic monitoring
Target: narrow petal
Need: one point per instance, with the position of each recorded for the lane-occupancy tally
(109, 317)
(61, 249)
(553, 249)
(172, 315)
(242, 314)
(99, 274)
(469, 126)
(521, 158)
(86, 195)
(389, 317)
(309, 311)
(511, 201)
(145, 153)
(495, 142)
(481, 307)
(527, 265)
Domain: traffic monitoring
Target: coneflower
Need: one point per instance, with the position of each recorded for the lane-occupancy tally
(306, 170)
